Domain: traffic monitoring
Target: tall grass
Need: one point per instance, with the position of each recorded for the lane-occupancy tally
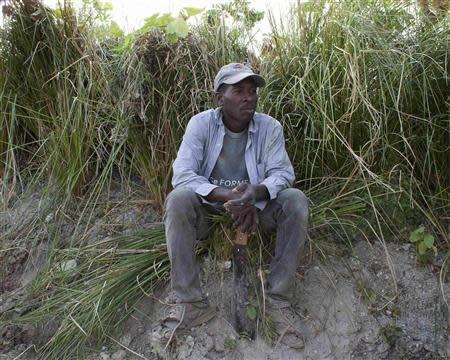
(361, 89)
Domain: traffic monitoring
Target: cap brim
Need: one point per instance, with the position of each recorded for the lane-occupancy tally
(259, 80)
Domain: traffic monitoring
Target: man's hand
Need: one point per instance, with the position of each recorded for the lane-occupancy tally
(245, 216)
(242, 208)
(247, 194)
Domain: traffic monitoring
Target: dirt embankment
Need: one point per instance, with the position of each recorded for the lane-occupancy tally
(376, 302)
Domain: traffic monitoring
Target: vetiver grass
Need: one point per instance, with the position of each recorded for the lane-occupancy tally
(361, 90)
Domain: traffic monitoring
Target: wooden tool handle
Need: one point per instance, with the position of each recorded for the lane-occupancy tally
(241, 238)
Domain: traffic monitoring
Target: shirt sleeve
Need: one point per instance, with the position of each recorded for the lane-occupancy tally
(187, 165)
(279, 173)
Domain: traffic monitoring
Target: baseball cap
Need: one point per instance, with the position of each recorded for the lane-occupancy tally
(235, 72)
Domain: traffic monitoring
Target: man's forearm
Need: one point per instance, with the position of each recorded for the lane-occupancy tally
(261, 192)
(221, 194)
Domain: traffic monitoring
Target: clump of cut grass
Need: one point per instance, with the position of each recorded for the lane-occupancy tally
(88, 300)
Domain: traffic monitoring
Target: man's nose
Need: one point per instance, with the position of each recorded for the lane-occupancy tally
(249, 95)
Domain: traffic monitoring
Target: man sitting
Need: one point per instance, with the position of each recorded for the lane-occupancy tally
(235, 158)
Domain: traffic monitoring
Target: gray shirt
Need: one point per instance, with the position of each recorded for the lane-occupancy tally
(265, 155)
(230, 169)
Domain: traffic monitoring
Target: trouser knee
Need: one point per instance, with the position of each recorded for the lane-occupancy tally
(181, 200)
(294, 204)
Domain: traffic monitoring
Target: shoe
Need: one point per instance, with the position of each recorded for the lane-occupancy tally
(182, 316)
(286, 323)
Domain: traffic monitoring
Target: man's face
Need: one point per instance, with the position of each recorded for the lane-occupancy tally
(238, 101)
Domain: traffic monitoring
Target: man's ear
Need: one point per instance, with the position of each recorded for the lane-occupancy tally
(219, 97)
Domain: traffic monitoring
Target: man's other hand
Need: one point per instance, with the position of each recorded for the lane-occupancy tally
(247, 194)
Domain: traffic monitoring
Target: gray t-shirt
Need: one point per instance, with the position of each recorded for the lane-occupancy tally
(230, 169)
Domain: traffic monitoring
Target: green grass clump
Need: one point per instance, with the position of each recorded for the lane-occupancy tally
(87, 302)
(361, 89)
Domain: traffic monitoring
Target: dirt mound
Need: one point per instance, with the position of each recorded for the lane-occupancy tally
(349, 310)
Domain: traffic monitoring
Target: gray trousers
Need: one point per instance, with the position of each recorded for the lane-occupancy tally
(186, 222)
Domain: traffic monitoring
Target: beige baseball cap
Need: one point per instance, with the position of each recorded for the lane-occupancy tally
(235, 72)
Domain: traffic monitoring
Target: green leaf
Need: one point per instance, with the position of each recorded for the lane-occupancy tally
(126, 44)
(251, 312)
(428, 240)
(115, 30)
(178, 27)
(164, 20)
(156, 20)
(107, 6)
(417, 234)
(172, 38)
(422, 248)
(191, 11)
(59, 13)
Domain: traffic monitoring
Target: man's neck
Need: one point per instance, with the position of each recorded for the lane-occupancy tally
(233, 125)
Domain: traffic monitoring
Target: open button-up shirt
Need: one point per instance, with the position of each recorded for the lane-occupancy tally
(266, 158)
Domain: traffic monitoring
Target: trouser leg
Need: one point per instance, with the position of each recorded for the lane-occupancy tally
(288, 215)
(185, 220)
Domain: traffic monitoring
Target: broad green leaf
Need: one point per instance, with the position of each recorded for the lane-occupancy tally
(178, 27)
(164, 20)
(151, 20)
(428, 240)
(422, 248)
(192, 11)
(417, 234)
(157, 20)
(107, 6)
(251, 312)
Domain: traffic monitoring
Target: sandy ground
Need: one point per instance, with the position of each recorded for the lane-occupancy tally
(375, 302)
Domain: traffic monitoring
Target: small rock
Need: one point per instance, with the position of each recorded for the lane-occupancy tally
(68, 265)
(119, 355)
(7, 306)
(224, 265)
(126, 340)
(141, 329)
(49, 218)
(405, 247)
(104, 356)
(219, 344)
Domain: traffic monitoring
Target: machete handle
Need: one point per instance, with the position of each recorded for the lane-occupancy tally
(240, 238)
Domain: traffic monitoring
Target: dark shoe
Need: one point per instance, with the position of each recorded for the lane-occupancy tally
(182, 316)
(286, 323)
